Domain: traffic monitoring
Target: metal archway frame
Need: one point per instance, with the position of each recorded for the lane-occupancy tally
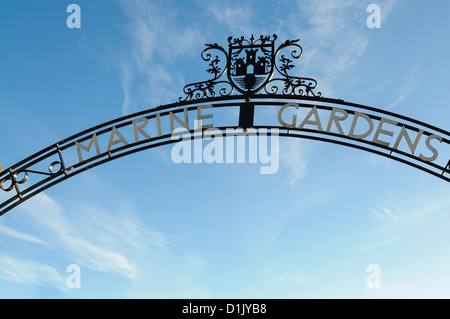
(59, 162)
(65, 159)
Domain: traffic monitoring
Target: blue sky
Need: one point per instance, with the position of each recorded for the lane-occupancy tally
(145, 227)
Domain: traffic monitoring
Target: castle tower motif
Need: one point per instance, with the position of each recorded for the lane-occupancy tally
(241, 67)
(251, 57)
(250, 65)
(260, 67)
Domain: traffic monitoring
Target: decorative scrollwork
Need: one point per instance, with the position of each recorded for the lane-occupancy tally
(14, 179)
(293, 86)
(250, 67)
(205, 89)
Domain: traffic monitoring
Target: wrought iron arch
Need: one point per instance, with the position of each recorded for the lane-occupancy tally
(269, 85)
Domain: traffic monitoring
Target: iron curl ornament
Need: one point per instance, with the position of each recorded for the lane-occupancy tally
(19, 176)
(250, 65)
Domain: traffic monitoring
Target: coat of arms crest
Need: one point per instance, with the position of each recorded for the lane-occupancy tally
(250, 63)
(250, 67)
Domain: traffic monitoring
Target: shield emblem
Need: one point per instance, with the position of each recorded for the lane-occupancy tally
(250, 64)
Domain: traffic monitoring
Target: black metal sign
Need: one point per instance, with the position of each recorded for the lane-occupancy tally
(252, 74)
(250, 66)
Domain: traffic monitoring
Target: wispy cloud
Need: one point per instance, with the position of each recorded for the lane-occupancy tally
(295, 154)
(126, 79)
(395, 223)
(236, 16)
(333, 35)
(119, 244)
(335, 40)
(30, 272)
(10, 232)
(106, 243)
(386, 7)
(157, 38)
(385, 214)
(411, 82)
(377, 160)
